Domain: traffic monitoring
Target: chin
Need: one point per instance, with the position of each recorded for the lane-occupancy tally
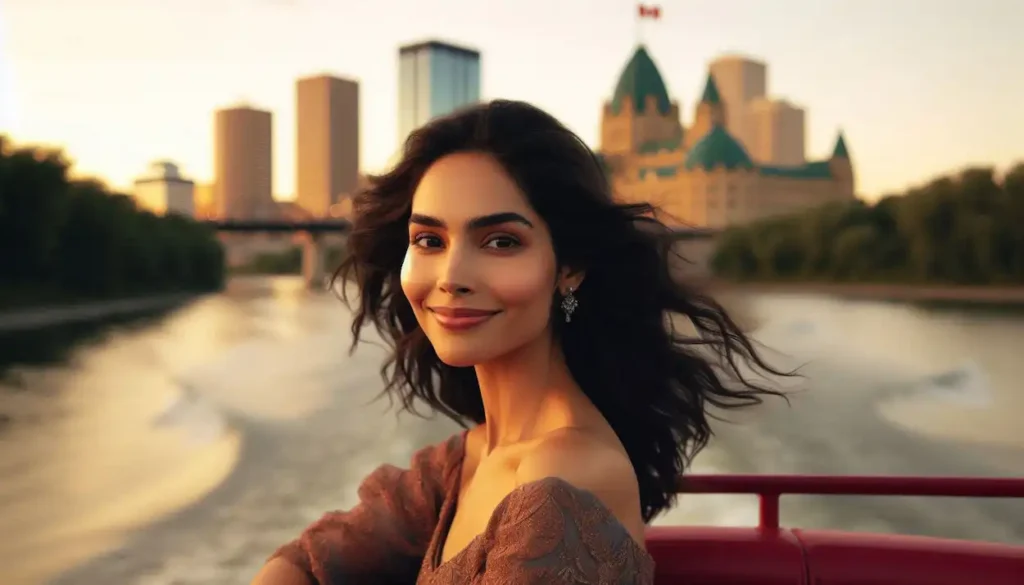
(464, 352)
(462, 357)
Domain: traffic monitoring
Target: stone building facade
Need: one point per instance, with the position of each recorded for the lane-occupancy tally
(702, 175)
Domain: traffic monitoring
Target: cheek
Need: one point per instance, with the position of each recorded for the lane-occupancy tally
(528, 285)
(416, 280)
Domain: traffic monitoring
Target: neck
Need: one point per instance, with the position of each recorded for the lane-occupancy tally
(526, 393)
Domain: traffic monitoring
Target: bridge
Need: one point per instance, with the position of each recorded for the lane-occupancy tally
(314, 271)
(695, 244)
(313, 226)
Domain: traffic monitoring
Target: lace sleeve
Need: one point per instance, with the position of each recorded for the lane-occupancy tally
(550, 532)
(384, 537)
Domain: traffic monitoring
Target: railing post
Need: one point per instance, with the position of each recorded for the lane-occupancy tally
(769, 511)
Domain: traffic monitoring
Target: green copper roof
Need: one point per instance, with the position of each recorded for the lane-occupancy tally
(711, 92)
(716, 149)
(812, 170)
(840, 150)
(640, 79)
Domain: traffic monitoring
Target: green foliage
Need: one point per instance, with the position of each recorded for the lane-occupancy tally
(77, 237)
(284, 262)
(963, 229)
(288, 261)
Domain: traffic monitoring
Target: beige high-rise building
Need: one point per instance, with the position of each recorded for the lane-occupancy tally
(327, 143)
(243, 163)
(740, 80)
(776, 132)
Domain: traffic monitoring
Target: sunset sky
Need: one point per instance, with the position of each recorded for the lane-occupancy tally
(920, 87)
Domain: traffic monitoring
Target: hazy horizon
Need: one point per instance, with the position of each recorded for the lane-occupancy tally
(919, 88)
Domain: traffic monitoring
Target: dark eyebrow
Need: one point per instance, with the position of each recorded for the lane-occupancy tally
(496, 219)
(475, 223)
(426, 220)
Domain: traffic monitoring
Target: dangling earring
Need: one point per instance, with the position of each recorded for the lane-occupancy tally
(569, 304)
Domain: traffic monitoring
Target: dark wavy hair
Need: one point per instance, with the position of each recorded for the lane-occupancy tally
(653, 383)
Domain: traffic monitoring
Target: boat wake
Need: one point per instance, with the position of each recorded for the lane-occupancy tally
(199, 419)
(123, 456)
(266, 378)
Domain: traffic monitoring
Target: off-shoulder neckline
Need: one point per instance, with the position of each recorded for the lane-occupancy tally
(452, 501)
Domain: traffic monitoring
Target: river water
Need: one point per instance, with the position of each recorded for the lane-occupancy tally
(183, 448)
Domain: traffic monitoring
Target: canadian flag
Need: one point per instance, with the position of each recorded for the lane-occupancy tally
(653, 12)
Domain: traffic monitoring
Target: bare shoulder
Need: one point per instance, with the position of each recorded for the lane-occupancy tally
(279, 571)
(589, 463)
(582, 459)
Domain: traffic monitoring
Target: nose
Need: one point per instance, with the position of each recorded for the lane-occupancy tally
(454, 289)
(457, 275)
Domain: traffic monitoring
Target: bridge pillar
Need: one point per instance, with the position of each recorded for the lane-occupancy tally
(313, 258)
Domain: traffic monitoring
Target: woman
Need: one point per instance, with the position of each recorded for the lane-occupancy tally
(521, 301)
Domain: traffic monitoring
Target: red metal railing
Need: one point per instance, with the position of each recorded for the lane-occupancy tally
(769, 488)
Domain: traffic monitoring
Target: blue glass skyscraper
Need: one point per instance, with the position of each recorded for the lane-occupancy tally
(434, 79)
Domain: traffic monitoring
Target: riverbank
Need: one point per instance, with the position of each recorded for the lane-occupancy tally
(37, 317)
(981, 295)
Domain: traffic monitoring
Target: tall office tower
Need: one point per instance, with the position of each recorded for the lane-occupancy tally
(434, 79)
(243, 163)
(776, 132)
(327, 142)
(740, 80)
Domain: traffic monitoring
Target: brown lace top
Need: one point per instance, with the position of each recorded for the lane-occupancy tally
(543, 532)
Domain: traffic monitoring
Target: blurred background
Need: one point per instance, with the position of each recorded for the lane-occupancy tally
(176, 394)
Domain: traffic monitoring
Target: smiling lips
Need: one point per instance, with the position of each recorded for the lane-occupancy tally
(460, 319)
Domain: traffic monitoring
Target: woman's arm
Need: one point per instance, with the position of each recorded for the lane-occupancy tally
(382, 539)
(279, 571)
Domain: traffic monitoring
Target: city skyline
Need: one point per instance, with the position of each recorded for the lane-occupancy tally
(919, 89)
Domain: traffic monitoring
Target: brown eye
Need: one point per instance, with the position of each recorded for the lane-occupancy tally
(502, 243)
(427, 241)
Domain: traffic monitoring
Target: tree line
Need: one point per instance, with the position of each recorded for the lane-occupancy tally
(72, 238)
(964, 229)
(288, 261)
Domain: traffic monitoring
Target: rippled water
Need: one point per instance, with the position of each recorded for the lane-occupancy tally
(184, 450)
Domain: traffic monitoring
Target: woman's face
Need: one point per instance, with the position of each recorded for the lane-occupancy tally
(480, 270)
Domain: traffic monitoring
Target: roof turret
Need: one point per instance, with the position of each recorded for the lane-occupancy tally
(639, 80)
(711, 95)
(840, 149)
(718, 148)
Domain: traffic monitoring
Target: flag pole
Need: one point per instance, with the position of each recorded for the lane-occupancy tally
(638, 15)
(643, 12)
